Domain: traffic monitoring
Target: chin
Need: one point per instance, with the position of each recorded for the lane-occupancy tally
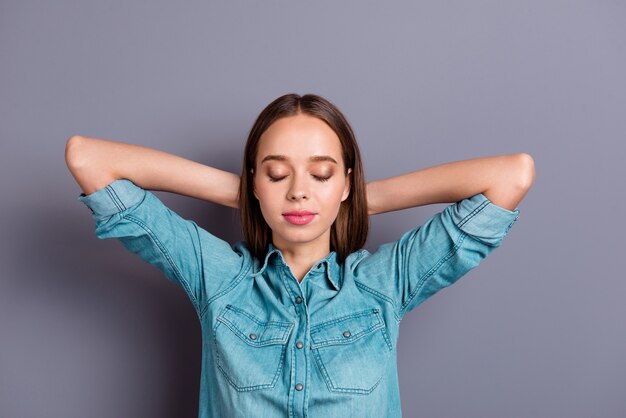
(300, 237)
(297, 239)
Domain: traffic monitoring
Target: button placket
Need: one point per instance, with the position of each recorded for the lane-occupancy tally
(300, 357)
(300, 365)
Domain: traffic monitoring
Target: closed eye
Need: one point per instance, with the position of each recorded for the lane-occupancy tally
(275, 179)
(318, 178)
(322, 179)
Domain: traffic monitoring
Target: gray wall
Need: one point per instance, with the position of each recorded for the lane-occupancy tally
(537, 330)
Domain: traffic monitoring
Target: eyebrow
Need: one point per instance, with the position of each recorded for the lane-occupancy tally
(315, 158)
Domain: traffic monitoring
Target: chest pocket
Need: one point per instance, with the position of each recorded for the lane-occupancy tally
(249, 352)
(352, 352)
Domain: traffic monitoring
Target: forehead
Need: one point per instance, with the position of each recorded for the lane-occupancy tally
(298, 138)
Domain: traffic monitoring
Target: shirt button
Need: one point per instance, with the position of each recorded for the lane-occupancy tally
(346, 334)
(299, 344)
(253, 336)
(298, 299)
(299, 386)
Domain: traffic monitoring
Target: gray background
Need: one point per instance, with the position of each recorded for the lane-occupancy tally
(537, 330)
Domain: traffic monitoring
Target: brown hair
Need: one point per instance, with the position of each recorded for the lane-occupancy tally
(349, 231)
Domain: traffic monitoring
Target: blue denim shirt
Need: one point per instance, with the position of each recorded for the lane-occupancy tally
(325, 347)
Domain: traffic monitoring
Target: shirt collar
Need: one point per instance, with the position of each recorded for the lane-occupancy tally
(329, 263)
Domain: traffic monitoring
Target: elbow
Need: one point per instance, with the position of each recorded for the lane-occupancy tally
(73, 151)
(78, 158)
(519, 178)
(88, 173)
(526, 165)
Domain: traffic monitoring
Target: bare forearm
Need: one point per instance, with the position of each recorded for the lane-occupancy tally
(503, 179)
(94, 163)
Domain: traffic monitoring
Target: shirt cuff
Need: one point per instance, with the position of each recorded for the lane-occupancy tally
(484, 220)
(113, 198)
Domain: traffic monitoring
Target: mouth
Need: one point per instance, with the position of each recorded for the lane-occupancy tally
(299, 217)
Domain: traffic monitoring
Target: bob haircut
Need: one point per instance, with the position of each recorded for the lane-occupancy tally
(349, 231)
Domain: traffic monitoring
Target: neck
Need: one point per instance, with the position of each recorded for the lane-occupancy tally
(300, 257)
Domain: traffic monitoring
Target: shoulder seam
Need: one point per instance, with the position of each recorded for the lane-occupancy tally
(244, 270)
(168, 257)
(432, 270)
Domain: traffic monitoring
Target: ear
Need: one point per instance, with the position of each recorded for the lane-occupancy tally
(346, 190)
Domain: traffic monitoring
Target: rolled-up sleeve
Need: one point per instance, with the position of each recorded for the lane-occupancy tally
(187, 254)
(436, 254)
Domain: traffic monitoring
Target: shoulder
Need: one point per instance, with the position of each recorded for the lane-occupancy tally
(356, 257)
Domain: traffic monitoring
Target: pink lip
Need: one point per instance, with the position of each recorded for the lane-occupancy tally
(299, 217)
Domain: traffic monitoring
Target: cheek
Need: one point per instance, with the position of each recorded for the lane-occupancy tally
(259, 191)
(330, 198)
(336, 192)
(267, 198)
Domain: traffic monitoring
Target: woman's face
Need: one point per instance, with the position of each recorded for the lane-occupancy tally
(299, 167)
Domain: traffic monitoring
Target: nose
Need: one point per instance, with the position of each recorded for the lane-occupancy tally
(297, 196)
(297, 191)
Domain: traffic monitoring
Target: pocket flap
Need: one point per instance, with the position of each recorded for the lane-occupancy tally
(252, 330)
(346, 329)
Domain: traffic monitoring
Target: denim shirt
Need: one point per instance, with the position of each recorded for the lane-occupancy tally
(324, 347)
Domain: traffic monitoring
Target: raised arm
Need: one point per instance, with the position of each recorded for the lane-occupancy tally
(116, 179)
(94, 163)
(503, 179)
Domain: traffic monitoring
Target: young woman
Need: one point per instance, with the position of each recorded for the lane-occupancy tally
(297, 319)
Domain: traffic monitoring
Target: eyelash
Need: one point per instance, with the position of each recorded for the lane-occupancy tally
(318, 178)
(322, 179)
